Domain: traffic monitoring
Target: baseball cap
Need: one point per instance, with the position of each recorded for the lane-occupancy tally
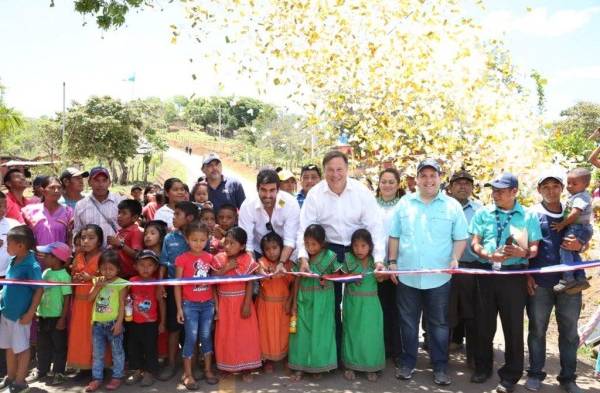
(550, 174)
(285, 174)
(210, 158)
(58, 249)
(462, 174)
(98, 170)
(71, 172)
(429, 163)
(144, 254)
(506, 180)
(37, 182)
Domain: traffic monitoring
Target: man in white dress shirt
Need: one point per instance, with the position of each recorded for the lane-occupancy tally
(271, 210)
(341, 205)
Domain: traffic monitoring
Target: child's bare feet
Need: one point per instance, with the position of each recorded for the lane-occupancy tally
(317, 376)
(268, 367)
(296, 376)
(247, 377)
(372, 377)
(349, 375)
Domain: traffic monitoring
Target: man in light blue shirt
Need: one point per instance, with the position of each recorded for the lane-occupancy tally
(505, 236)
(428, 231)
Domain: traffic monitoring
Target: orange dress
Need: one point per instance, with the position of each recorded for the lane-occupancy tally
(273, 321)
(237, 343)
(79, 353)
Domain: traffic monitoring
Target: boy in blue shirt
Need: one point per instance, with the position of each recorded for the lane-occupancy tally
(173, 246)
(18, 304)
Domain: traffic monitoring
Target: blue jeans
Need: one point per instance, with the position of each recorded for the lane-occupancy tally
(198, 324)
(583, 233)
(101, 334)
(539, 309)
(434, 302)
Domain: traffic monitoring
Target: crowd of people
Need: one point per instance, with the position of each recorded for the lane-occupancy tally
(108, 245)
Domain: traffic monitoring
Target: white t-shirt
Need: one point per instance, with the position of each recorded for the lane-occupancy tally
(5, 225)
(165, 214)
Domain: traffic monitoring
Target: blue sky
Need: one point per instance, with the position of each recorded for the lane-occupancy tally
(42, 47)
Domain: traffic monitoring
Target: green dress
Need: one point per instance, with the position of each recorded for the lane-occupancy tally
(362, 317)
(312, 347)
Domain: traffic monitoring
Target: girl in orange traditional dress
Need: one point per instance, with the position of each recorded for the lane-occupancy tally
(237, 343)
(274, 303)
(83, 270)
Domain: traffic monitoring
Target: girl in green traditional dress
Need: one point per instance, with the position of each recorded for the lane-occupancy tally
(362, 342)
(312, 348)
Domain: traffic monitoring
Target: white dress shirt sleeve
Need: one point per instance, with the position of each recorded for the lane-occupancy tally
(246, 221)
(292, 221)
(308, 215)
(373, 221)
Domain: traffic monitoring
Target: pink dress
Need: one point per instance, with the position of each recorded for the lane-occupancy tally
(48, 227)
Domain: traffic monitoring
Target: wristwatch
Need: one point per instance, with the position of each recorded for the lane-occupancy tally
(121, 243)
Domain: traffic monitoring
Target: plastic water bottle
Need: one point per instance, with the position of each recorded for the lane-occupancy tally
(497, 266)
(293, 321)
(128, 309)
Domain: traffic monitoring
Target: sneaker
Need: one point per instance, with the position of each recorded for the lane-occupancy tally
(579, 286)
(35, 376)
(404, 373)
(571, 387)
(6, 382)
(93, 386)
(167, 373)
(505, 387)
(563, 285)
(113, 384)
(58, 379)
(134, 377)
(441, 378)
(533, 384)
(147, 380)
(16, 388)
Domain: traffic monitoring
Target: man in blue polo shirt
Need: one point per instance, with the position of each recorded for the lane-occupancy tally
(505, 236)
(543, 298)
(428, 231)
(222, 190)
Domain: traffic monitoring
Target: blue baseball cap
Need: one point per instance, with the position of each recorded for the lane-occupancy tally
(506, 180)
(429, 163)
(99, 170)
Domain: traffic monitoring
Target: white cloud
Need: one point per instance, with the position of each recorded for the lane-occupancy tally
(539, 21)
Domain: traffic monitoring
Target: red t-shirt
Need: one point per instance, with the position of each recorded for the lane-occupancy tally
(134, 238)
(13, 207)
(195, 266)
(145, 303)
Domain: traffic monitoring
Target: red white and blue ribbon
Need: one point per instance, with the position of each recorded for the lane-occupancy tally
(213, 280)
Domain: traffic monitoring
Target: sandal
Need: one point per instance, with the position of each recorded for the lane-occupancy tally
(93, 386)
(212, 380)
(296, 376)
(190, 385)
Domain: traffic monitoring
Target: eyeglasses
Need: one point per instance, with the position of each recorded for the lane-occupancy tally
(269, 227)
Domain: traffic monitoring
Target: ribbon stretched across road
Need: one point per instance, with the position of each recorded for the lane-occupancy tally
(212, 280)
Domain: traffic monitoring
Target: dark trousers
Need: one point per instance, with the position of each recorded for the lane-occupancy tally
(337, 287)
(505, 296)
(2, 353)
(461, 313)
(51, 346)
(142, 346)
(391, 323)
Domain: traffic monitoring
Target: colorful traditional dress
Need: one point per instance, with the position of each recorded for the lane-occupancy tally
(237, 342)
(313, 346)
(79, 354)
(362, 343)
(273, 321)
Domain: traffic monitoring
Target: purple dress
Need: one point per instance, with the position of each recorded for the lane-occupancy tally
(48, 227)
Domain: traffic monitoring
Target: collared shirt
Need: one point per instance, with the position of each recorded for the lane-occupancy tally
(426, 234)
(48, 227)
(387, 212)
(86, 213)
(5, 225)
(341, 215)
(300, 197)
(549, 247)
(16, 299)
(13, 207)
(469, 209)
(523, 225)
(229, 191)
(165, 214)
(173, 246)
(284, 220)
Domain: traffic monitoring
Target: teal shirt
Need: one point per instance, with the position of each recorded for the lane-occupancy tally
(426, 234)
(524, 226)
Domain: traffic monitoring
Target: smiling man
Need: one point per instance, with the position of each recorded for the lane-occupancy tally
(272, 210)
(222, 190)
(428, 231)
